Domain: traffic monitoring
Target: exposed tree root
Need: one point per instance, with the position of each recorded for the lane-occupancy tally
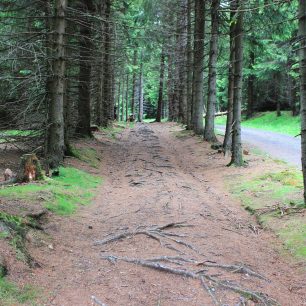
(235, 269)
(155, 264)
(154, 232)
(282, 210)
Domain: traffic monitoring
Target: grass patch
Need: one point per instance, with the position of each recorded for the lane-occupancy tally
(113, 131)
(62, 194)
(87, 155)
(285, 124)
(282, 188)
(11, 294)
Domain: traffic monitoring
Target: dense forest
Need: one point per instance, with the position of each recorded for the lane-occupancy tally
(69, 65)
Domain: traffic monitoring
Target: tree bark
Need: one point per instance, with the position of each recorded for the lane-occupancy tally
(55, 131)
(161, 87)
(302, 55)
(251, 81)
(134, 84)
(237, 159)
(140, 113)
(127, 98)
(198, 68)
(107, 79)
(227, 143)
(189, 66)
(84, 103)
(209, 131)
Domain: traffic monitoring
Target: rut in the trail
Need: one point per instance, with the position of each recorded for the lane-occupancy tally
(162, 232)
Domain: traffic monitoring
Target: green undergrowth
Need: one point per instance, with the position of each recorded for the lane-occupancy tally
(276, 199)
(117, 128)
(285, 124)
(11, 294)
(87, 155)
(61, 194)
(5, 134)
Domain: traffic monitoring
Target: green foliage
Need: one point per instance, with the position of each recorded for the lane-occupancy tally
(11, 294)
(61, 194)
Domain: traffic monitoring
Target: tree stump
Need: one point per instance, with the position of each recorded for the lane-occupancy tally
(29, 169)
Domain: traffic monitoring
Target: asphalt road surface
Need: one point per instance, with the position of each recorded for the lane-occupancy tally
(279, 146)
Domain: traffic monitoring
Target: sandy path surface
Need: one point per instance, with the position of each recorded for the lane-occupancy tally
(153, 178)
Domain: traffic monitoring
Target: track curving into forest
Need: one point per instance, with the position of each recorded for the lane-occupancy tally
(163, 232)
(278, 146)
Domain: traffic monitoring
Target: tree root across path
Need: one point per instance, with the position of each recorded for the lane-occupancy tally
(155, 264)
(156, 233)
(161, 233)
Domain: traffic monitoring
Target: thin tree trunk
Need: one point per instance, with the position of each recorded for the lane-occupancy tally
(127, 98)
(189, 67)
(106, 66)
(140, 114)
(84, 107)
(251, 80)
(122, 98)
(198, 68)
(302, 54)
(161, 87)
(227, 143)
(237, 158)
(55, 141)
(209, 131)
(134, 84)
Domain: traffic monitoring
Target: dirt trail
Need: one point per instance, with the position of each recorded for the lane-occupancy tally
(152, 179)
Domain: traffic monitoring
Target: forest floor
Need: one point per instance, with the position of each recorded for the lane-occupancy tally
(164, 230)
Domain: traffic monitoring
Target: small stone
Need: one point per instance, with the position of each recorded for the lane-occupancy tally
(51, 247)
(90, 227)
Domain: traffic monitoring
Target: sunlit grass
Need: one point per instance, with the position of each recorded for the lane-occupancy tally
(285, 124)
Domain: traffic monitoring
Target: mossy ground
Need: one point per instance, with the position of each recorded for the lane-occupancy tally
(87, 155)
(117, 128)
(61, 194)
(285, 124)
(283, 188)
(11, 294)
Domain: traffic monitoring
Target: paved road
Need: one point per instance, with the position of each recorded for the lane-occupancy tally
(283, 147)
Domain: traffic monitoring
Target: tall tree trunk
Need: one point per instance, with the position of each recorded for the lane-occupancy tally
(251, 81)
(161, 87)
(134, 83)
(122, 98)
(55, 135)
(140, 113)
(170, 86)
(302, 54)
(84, 107)
(198, 68)
(209, 131)
(227, 143)
(237, 158)
(127, 98)
(189, 66)
(107, 79)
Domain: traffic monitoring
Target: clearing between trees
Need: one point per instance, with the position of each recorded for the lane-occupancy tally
(162, 230)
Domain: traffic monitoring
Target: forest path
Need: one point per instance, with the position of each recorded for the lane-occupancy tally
(283, 147)
(152, 179)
